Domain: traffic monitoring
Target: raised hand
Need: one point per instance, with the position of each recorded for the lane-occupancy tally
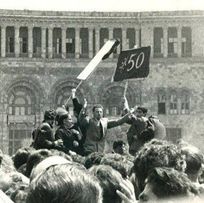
(127, 193)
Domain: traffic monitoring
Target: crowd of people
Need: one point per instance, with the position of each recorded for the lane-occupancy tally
(69, 165)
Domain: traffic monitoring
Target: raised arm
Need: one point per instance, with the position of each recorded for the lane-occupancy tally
(77, 106)
(126, 118)
(83, 116)
(125, 106)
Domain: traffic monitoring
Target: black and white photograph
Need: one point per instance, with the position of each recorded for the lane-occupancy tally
(101, 101)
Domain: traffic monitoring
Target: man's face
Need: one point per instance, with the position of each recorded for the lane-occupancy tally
(68, 121)
(139, 113)
(98, 113)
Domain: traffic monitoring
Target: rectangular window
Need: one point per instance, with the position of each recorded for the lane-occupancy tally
(161, 104)
(173, 104)
(131, 38)
(70, 47)
(173, 134)
(58, 46)
(161, 108)
(10, 45)
(84, 45)
(158, 42)
(172, 42)
(185, 104)
(23, 45)
(186, 47)
(117, 34)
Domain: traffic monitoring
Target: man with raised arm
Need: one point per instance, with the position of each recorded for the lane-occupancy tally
(96, 127)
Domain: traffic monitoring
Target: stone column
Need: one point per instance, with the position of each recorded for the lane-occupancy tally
(30, 42)
(165, 41)
(17, 41)
(77, 42)
(50, 42)
(64, 32)
(97, 39)
(3, 41)
(43, 42)
(179, 42)
(124, 39)
(90, 42)
(137, 38)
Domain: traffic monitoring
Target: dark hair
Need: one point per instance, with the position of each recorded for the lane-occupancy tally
(118, 143)
(143, 109)
(73, 184)
(120, 163)
(49, 114)
(110, 180)
(169, 182)
(97, 106)
(61, 114)
(193, 161)
(157, 153)
(35, 158)
(93, 159)
(21, 156)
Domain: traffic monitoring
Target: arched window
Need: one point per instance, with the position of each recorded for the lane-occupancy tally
(21, 102)
(63, 95)
(173, 103)
(21, 116)
(185, 103)
(161, 102)
(111, 100)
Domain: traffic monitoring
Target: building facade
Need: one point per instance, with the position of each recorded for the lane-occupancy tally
(42, 52)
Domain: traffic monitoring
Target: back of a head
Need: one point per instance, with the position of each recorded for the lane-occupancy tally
(119, 163)
(93, 159)
(194, 160)
(110, 180)
(35, 158)
(61, 114)
(157, 153)
(65, 183)
(21, 156)
(168, 182)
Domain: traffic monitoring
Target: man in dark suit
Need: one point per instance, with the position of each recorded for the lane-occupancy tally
(43, 136)
(67, 131)
(142, 129)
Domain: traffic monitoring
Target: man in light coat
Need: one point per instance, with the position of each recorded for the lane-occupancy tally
(96, 128)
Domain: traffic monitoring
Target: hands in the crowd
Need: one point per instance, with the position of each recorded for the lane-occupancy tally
(72, 153)
(73, 93)
(75, 143)
(127, 193)
(59, 142)
(85, 103)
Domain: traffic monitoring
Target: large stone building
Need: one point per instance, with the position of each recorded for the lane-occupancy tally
(43, 52)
